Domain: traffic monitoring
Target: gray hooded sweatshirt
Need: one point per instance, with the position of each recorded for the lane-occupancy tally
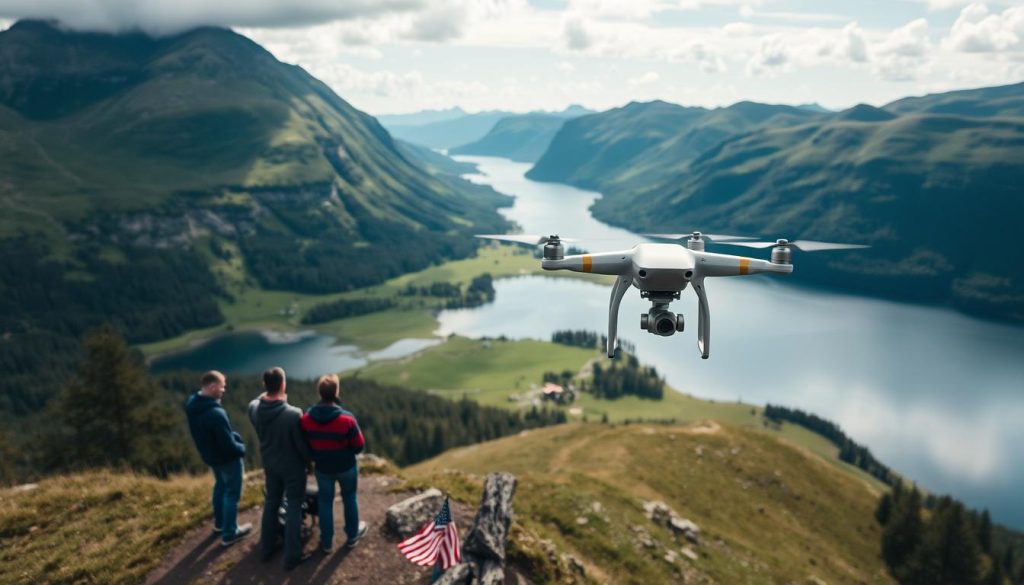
(283, 447)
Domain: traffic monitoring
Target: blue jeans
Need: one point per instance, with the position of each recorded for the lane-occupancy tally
(349, 482)
(227, 490)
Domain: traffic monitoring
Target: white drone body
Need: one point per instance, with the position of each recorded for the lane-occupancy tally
(662, 271)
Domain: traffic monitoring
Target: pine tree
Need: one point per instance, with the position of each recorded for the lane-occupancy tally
(903, 532)
(985, 532)
(884, 509)
(949, 552)
(111, 414)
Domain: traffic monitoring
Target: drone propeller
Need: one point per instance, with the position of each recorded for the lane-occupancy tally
(805, 245)
(697, 236)
(528, 239)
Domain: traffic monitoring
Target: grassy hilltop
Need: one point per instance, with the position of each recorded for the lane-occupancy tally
(768, 511)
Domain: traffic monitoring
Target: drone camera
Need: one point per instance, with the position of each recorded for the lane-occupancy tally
(661, 322)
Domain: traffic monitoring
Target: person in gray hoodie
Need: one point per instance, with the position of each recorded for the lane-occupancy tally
(286, 457)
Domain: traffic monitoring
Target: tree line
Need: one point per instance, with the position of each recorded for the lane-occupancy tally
(345, 308)
(112, 413)
(589, 340)
(849, 451)
(948, 545)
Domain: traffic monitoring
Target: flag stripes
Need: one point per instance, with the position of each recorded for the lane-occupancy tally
(436, 542)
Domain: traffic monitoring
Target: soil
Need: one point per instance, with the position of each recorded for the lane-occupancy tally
(201, 559)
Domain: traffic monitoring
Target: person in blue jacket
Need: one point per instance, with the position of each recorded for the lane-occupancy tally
(222, 449)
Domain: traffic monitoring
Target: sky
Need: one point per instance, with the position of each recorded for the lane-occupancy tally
(400, 56)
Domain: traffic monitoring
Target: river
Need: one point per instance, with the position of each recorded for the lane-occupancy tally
(936, 395)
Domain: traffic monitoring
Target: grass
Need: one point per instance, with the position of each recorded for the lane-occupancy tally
(488, 371)
(253, 308)
(492, 371)
(100, 526)
(768, 512)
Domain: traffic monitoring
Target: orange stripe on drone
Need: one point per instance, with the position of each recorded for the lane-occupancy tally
(744, 265)
(588, 263)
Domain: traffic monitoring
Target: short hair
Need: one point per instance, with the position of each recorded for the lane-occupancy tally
(273, 380)
(211, 377)
(328, 386)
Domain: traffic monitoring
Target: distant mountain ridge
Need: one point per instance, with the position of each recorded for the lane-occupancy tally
(522, 138)
(451, 133)
(146, 181)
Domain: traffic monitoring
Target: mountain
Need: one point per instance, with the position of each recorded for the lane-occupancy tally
(936, 196)
(420, 118)
(447, 134)
(146, 181)
(639, 144)
(520, 138)
(767, 511)
(1005, 100)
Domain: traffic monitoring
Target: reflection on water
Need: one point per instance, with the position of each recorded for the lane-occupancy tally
(934, 394)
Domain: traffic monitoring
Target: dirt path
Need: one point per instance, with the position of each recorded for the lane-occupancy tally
(201, 559)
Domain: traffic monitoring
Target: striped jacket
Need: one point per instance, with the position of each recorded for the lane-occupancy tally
(334, 437)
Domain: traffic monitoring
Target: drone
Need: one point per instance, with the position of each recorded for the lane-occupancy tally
(662, 271)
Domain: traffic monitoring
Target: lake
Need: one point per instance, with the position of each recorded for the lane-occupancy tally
(937, 396)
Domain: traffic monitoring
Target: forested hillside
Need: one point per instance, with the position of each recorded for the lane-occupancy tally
(143, 181)
(930, 183)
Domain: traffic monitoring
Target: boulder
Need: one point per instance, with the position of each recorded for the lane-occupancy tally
(661, 514)
(460, 574)
(408, 516)
(486, 539)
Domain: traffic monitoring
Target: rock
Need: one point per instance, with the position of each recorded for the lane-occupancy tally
(575, 565)
(486, 539)
(686, 528)
(490, 573)
(670, 556)
(662, 515)
(406, 517)
(460, 574)
(689, 553)
(582, 521)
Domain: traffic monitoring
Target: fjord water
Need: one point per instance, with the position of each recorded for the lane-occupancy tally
(935, 395)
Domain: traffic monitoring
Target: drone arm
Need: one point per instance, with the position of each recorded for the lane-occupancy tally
(619, 289)
(710, 264)
(703, 319)
(613, 263)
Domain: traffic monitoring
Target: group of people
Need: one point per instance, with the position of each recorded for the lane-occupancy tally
(326, 438)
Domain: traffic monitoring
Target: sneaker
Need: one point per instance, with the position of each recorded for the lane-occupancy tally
(359, 535)
(217, 530)
(289, 565)
(242, 532)
(326, 549)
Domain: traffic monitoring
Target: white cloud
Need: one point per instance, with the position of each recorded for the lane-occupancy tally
(854, 46)
(645, 79)
(160, 18)
(440, 23)
(738, 29)
(577, 38)
(978, 31)
(903, 55)
(771, 57)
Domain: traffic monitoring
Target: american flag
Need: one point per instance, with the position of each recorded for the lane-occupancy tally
(437, 542)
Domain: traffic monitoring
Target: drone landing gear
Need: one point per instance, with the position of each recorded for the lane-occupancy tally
(619, 289)
(703, 319)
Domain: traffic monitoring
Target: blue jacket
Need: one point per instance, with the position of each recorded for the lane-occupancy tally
(211, 431)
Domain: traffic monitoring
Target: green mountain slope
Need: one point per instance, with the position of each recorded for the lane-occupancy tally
(143, 181)
(935, 195)
(520, 138)
(768, 512)
(641, 143)
(1005, 100)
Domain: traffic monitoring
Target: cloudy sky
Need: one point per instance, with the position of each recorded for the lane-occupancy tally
(397, 56)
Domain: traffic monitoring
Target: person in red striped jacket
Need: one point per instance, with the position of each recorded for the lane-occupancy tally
(335, 440)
